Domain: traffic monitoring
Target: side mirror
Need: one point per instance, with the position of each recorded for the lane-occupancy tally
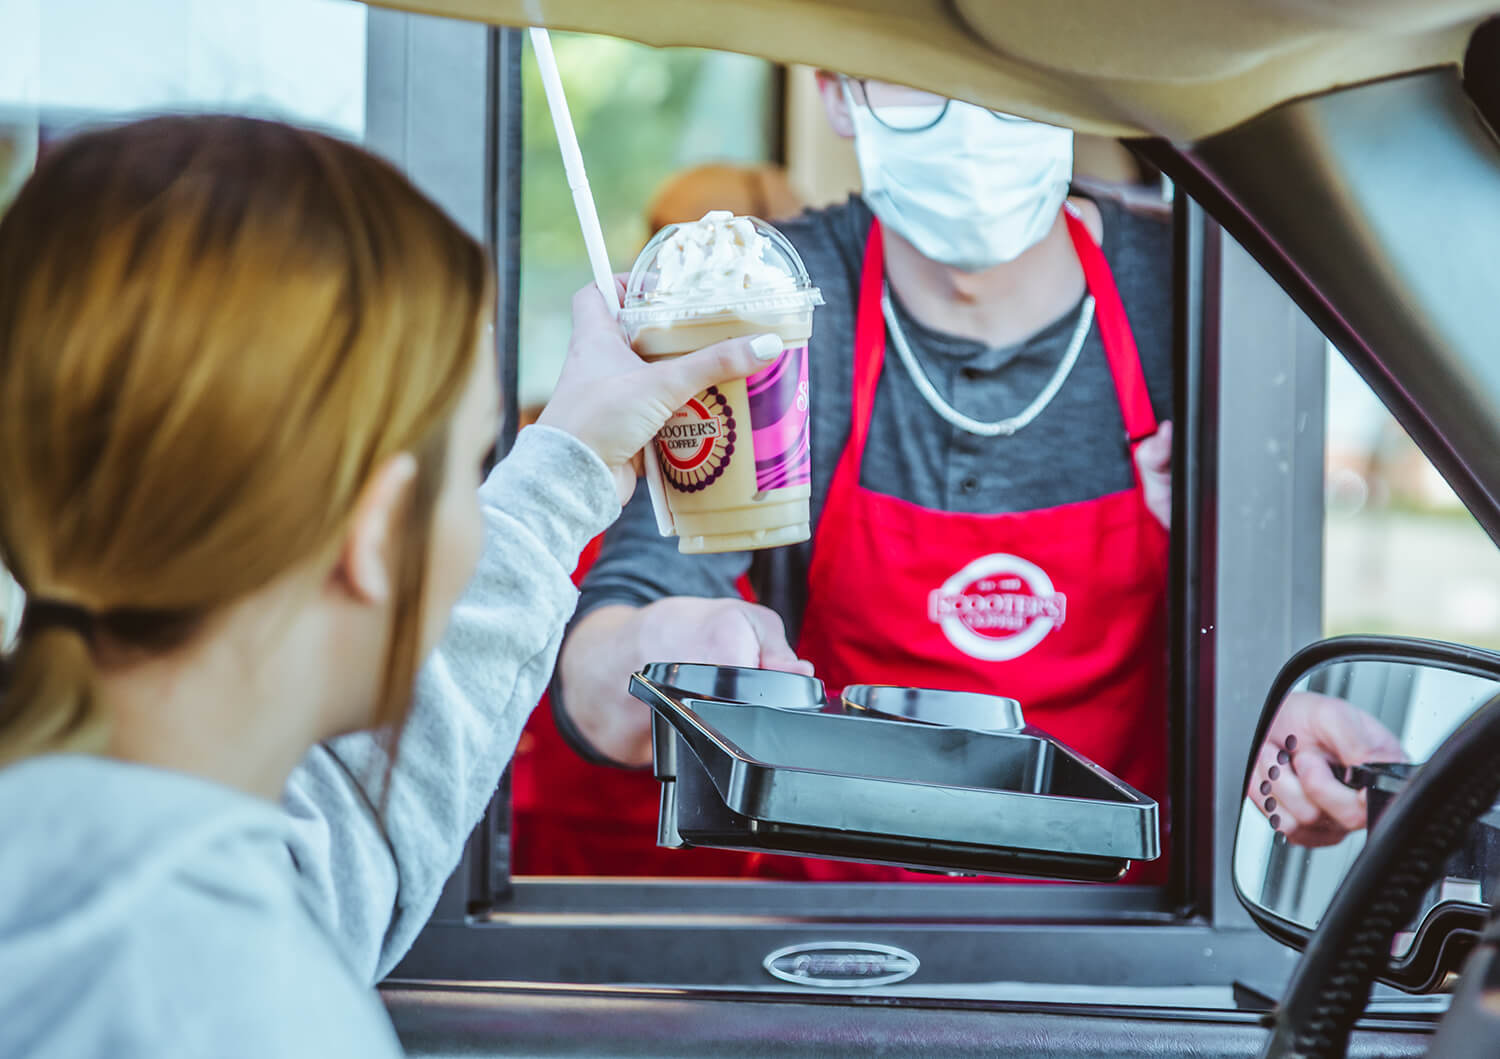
(1347, 725)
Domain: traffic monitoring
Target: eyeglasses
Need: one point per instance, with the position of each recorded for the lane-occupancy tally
(903, 109)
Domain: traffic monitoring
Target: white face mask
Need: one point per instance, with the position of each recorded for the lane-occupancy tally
(972, 191)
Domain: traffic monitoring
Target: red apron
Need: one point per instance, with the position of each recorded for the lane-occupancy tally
(1062, 608)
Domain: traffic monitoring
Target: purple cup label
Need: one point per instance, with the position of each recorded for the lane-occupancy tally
(779, 425)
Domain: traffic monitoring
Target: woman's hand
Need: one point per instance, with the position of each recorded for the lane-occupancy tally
(1294, 783)
(614, 402)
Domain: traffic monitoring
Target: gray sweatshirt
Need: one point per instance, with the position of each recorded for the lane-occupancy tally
(148, 913)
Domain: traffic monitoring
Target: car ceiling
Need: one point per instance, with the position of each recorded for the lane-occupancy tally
(1181, 69)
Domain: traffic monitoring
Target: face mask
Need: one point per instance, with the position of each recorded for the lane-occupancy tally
(972, 191)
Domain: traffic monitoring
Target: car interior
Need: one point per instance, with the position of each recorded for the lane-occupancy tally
(1332, 177)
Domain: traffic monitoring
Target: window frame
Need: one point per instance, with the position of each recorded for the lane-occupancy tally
(1226, 306)
(443, 103)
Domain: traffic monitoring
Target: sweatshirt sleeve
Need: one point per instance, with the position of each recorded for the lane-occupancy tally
(373, 875)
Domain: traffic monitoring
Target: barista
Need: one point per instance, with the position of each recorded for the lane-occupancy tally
(991, 463)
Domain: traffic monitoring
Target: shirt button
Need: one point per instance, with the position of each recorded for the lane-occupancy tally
(969, 484)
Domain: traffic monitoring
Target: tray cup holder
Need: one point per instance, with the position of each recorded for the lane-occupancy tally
(950, 709)
(758, 687)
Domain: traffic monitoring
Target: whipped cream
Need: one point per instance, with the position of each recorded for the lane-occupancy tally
(719, 256)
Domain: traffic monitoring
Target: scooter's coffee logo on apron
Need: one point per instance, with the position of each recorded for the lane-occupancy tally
(997, 608)
(697, 442)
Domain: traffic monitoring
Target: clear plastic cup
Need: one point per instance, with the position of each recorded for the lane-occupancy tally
(736, 458)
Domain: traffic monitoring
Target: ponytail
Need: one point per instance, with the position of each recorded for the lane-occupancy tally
(47, 698)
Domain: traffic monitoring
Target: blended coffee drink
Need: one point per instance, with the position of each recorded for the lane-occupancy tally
(736, 458)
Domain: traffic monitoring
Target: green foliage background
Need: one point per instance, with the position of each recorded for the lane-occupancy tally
(641, 114)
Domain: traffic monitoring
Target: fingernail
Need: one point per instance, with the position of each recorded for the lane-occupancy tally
(1270, 805)
(1273, 772)
(766, 347)
(1276, 821)
(1265, 786)
(1282, 757)
(1291, 742)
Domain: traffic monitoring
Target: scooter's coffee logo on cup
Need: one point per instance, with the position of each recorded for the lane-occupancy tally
(997, 608)
(697, 442)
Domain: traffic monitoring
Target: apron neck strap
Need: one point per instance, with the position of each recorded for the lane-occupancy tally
(1114, 330)
(869, 344)
(1109, 312)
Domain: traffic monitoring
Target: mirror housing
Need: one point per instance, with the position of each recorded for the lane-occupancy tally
(1454, 912)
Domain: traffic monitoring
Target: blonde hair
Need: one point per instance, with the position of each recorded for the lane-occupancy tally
(213, 330)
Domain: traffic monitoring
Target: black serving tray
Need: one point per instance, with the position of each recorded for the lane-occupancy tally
(749, 759)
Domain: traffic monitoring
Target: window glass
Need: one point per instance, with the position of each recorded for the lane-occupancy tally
(18, 144)
(20, 90)
(11, 602)
(1401, 556)
(642, 114)
(303, 60)
(1401, 553)
(69, 62)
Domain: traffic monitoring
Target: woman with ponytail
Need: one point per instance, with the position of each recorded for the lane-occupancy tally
(245, 408)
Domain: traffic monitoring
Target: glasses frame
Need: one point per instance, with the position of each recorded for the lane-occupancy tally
(864, 101)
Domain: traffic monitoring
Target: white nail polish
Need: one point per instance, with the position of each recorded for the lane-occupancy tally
(766, 347)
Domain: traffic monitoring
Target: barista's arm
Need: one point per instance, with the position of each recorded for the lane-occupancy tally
(643, 601)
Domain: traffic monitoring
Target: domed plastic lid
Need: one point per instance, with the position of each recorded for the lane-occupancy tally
(722, 265)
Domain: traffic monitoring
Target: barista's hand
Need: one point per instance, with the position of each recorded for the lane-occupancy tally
(614, 402)
(721, 632)
(1294, 783)
(1153, 458)
(610, 643)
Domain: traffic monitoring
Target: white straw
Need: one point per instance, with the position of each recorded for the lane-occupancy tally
(593, 235)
